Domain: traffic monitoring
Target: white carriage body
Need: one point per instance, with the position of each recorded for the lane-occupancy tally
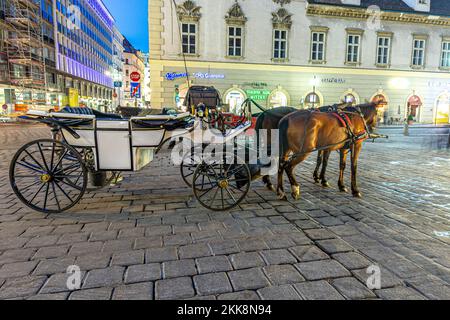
(118, 145)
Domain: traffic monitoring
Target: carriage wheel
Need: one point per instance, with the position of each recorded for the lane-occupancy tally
(48, 176)
(190, 162)
(222, 184)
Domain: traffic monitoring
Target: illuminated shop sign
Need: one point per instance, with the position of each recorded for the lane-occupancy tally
(171, 76)
(258, 95)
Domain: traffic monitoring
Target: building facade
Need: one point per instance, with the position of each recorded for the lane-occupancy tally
(59, 53)
(117, 68)
(133, 64)
(306, 53)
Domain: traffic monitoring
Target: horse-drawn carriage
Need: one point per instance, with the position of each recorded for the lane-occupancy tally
(88, 150)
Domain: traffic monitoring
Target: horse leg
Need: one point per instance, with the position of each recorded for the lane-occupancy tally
(319, 163)
(268, 183)
(295, 187)
(280, 189)
(326, 157)
(356, 150)
(342, 164)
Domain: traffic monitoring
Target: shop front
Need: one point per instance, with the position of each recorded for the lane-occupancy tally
(443, 108)
(274, 86)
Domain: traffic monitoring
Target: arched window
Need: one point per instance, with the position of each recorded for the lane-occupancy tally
(414, 103)
(383, 114)
(443, 108)
(278, 99)
(312, 100)
(234, 99)
(349, 98)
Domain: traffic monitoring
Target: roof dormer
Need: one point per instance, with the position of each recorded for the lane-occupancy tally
(419, 5)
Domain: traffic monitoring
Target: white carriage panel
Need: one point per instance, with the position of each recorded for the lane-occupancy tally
(113, 145)
(113, 124)
(87, 138)
(147, 138)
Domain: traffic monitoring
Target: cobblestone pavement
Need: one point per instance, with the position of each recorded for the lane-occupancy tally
(148, 239)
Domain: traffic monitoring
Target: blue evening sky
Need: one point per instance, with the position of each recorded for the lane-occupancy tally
(131, 18)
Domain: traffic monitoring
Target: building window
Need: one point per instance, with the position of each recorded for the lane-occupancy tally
(189, 38)
(318, 46)
(383, 50)
(418, 55)
(353, 48)
(235, 41)
(445, 55)
(280, 44)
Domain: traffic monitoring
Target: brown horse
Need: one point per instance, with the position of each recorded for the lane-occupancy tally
(303, 133)
(324, 155)
(270, 119)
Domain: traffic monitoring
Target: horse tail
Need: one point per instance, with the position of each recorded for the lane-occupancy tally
(283, 137)
(259, 126)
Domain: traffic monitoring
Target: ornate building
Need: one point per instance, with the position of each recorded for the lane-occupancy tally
(306, 53)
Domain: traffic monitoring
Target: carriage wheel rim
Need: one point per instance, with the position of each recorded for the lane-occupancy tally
(49, 176)
(220, 187)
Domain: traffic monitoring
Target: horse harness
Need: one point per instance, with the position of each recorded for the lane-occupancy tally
(345, 121)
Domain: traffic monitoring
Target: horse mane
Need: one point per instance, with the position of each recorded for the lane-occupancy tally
(365, 108)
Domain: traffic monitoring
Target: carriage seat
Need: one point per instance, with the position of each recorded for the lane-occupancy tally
(92, 112)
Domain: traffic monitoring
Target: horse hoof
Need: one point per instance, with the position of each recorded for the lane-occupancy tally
(270, 187)
(316, 180)
(343, 189)
(296, 193)
(282, 196)
(325, 184)
(357, 194)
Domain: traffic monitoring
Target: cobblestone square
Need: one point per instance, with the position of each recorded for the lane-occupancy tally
(147, 238)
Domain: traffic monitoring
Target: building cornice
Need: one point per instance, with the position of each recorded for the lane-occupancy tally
(363, 14)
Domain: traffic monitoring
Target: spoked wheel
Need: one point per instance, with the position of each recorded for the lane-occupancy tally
(190, 162)
(222, 183)
(48, 176)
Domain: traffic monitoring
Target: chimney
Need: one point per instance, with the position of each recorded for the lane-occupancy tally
(419, 5)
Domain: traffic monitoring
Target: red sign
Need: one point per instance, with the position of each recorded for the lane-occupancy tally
(135, 76)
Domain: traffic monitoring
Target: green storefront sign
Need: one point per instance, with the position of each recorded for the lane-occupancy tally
(258, 95)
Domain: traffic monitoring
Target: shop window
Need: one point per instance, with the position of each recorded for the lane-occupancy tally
(234, 99)
(414, 103)
(443, 109)
(381, 100)
(349, 98)
(312, 100)
(278, 99)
